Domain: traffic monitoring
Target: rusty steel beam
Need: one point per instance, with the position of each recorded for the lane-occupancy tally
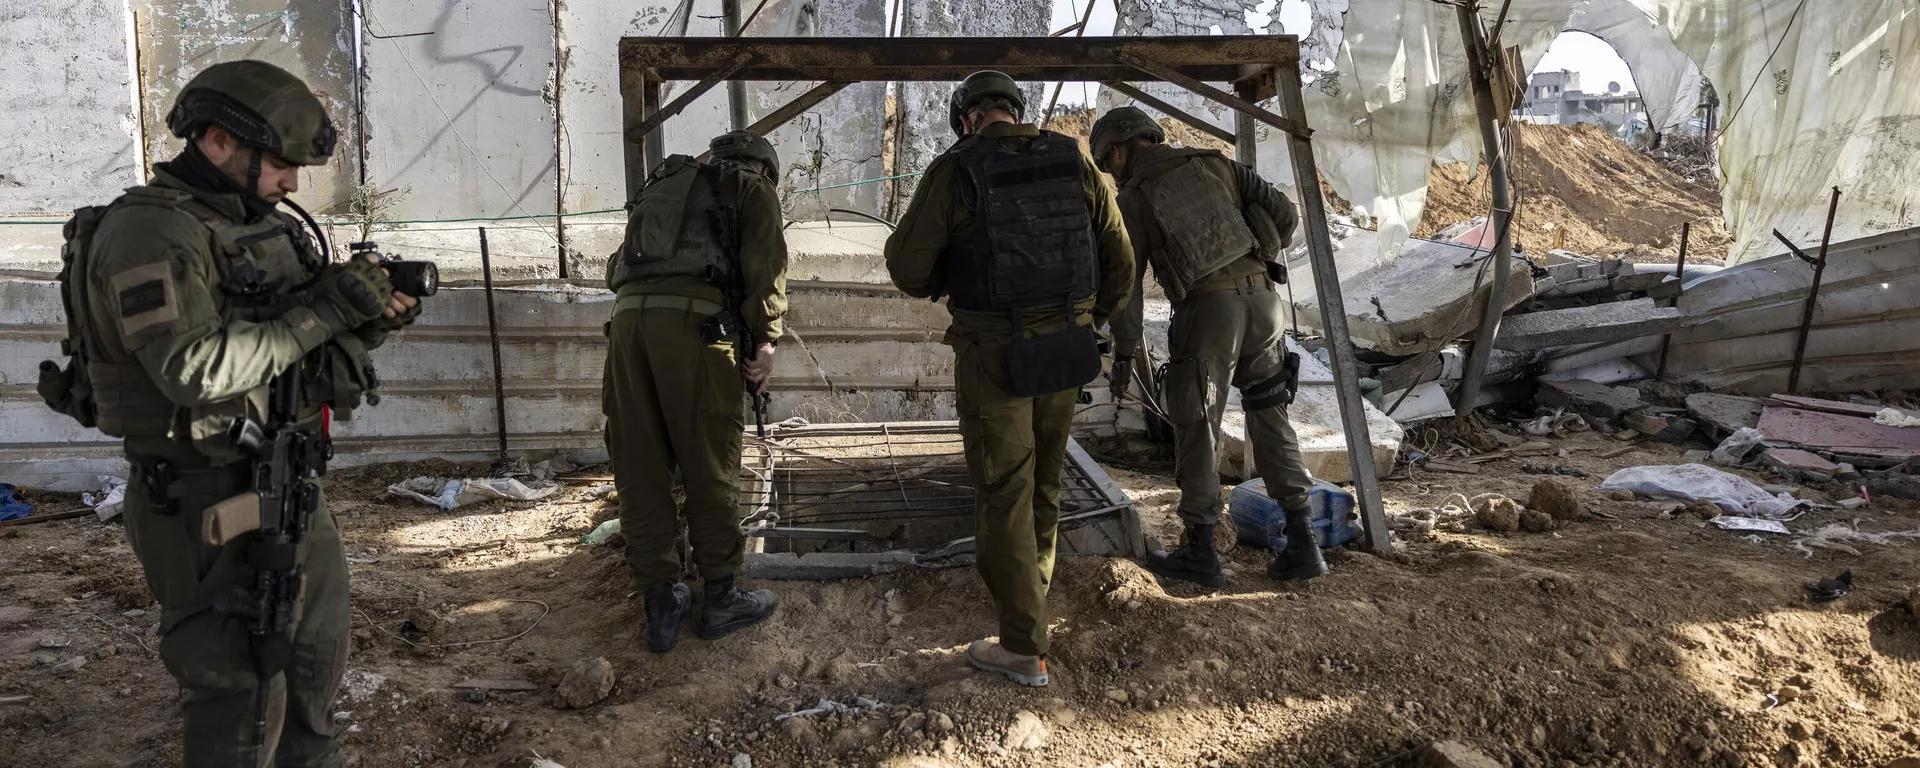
(1170, 110)
(647, 124)
(945, 59)
(789, 111)
(1163, 71)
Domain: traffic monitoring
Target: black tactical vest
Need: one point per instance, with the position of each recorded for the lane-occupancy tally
(1031, 245)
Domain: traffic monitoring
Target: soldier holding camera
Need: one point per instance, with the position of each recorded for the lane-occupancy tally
(205, 327)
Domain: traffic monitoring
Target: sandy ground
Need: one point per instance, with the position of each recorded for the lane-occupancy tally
(1638, 638)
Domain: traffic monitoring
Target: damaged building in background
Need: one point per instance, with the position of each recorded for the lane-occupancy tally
(510, 119)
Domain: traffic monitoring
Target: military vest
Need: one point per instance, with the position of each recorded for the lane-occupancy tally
(264, 269)
(1031, 245)
(1204, 229)
(671, 231)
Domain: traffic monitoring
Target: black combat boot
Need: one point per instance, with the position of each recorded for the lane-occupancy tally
(1301, 558)
(1196, 562)
(728, 609)
(666, 605)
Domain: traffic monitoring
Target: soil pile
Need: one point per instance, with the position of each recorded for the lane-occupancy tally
(1583, 190)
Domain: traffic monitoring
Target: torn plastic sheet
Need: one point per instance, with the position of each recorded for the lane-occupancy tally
(113, 496)
(1689, 482)
(1894, 417)
(854, 706)
(1840, 537)
(1736, 523)
(1831, 102)
(450, 493)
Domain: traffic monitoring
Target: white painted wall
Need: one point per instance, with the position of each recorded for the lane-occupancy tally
(310, 38)
(462, 120)
(68, 95)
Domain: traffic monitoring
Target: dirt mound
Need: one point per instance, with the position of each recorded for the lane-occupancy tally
(1080, 125)
(1582, 190)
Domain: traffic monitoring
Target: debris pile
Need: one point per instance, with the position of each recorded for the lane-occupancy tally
(1580, 189)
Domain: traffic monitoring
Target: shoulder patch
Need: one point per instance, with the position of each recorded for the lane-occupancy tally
(146, 297)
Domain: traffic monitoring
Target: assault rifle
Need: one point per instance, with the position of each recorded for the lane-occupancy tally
(726, 228)
(286, 458)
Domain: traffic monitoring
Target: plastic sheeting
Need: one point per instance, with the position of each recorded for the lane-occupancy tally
(1810, 98)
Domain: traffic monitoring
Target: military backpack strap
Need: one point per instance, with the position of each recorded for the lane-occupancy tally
(69, 389)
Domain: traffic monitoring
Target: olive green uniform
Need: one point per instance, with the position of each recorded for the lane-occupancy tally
(1227, 330)
(1015, 446)
(194, 309)
(675, 401)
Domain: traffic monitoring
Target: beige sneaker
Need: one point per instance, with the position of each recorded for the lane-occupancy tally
(1025, 670)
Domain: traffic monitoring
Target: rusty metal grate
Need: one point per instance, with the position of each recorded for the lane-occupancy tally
(842, 500)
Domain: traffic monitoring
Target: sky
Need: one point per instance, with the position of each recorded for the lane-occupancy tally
(1592, 58)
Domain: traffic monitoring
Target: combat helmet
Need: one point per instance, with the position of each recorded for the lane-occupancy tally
(744, 145)
(978, 87)
(262, 105)
(1118, 125)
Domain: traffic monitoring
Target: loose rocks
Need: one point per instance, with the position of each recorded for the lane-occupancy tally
(1497, 512)
(586, 684)
(1027, 733)
(1558, 498)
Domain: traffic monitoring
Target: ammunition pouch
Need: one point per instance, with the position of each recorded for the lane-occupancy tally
(1053, 362)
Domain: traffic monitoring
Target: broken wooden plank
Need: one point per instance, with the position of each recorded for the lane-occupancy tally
(1620, 451)
(1836, 432)
(1533, 449)
(1486, 457)
(31, 519)
(497, 685)
(1614, 321)
(1448, 466)
(1832, 406)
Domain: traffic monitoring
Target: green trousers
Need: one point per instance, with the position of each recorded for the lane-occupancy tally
(1016, 448)
(673, 401)
(209, 653)
(1216, 340)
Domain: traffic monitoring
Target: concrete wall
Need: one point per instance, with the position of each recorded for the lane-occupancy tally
(923, 131)
(310, 38)
(75, 137)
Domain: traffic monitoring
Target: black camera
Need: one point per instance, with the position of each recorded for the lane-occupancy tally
(418, 279)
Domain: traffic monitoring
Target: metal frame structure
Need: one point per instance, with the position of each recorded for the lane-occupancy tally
(1257, 67)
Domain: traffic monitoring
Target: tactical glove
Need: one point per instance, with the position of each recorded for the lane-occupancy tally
(351, 293)
(1120, 376)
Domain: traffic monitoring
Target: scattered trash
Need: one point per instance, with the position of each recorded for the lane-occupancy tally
(601, 491)
(1829, 590)
(541, 762)
(1836, 536)
(854, 706)
(1423, 521)
(11, 506)
(55, 642)
(1548, 468)
(450, 493)
(113, 493)
(1686, 482)
(1894, 417)
(1737, 523)
(602, 532)
(1853, 503)
(1738, 447)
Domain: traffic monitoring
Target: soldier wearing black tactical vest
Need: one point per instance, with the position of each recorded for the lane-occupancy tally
(703, 254)
(1019, 232)
(185, 299)
(1212, 230)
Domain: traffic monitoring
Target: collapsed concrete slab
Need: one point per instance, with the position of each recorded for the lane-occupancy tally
(1418, 302)
(1613, 321)
(1315, 415)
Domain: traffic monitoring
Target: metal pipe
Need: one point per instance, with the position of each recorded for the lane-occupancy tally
(1326, 278)
(1502, 211)
(1813, 297)
(493, 339)
(1243, 128)
(736, 89)
(1679, 274)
